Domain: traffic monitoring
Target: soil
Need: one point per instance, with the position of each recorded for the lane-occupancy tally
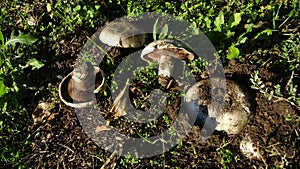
(59, 140)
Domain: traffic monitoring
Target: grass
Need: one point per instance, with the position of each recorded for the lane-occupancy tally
(31, 32)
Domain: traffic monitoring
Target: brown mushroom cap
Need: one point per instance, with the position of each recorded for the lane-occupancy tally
(172, 47)
(123, 34)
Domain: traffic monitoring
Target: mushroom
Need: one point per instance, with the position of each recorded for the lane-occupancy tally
(238, 105)
(165, 51)
(123, 34)
(78, 88)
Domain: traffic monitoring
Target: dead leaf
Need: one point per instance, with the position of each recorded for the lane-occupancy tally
(102, 128)
(42, 113)
(120, 103)
(52, 116)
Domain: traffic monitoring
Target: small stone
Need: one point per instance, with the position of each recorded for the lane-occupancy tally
(248, 148)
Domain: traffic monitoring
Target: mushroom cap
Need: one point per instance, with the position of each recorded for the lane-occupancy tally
(238, 108)
(76, 98)
(123, 34)
(172, 47)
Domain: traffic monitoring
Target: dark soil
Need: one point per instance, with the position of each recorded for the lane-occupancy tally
(59, 141)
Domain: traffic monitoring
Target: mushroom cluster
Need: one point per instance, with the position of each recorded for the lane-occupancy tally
(78, 89)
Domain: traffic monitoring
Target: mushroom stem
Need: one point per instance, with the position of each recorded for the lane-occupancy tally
(82, 84)
(165, 69)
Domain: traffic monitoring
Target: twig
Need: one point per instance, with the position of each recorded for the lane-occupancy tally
(287, 100)
(110, 158)
(67, 147)
(290, 80)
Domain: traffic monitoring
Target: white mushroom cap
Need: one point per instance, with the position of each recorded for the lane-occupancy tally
(176, 49)
(238, 108)
(122, 34)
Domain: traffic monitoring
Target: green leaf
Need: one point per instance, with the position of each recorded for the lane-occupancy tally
(21, 38)
(266, 31)
(48, 7)
(249, 27)
(207, 22)
(2, 40)
(235, 19)
(0, 61)
(242, 40)
(164, 32)
(1, 125)
(229, 34)
(77, 8)
(298, 101)
(233, 52)
(3, 88)
(219, 21)
(36, 64)
(155, 29)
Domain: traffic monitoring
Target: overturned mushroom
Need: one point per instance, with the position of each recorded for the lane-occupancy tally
(123, 34)
(165, 52)
(237, 111)
(78, 88)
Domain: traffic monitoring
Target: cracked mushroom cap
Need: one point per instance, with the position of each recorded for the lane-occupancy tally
(172, 47)
(123, 34)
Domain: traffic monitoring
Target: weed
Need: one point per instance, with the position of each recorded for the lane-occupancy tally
(290, 57)
(226, 157)
(164, 33)
(167, 119)
(275, 92)
(128, 160)
(198, 65)
(11, 94)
